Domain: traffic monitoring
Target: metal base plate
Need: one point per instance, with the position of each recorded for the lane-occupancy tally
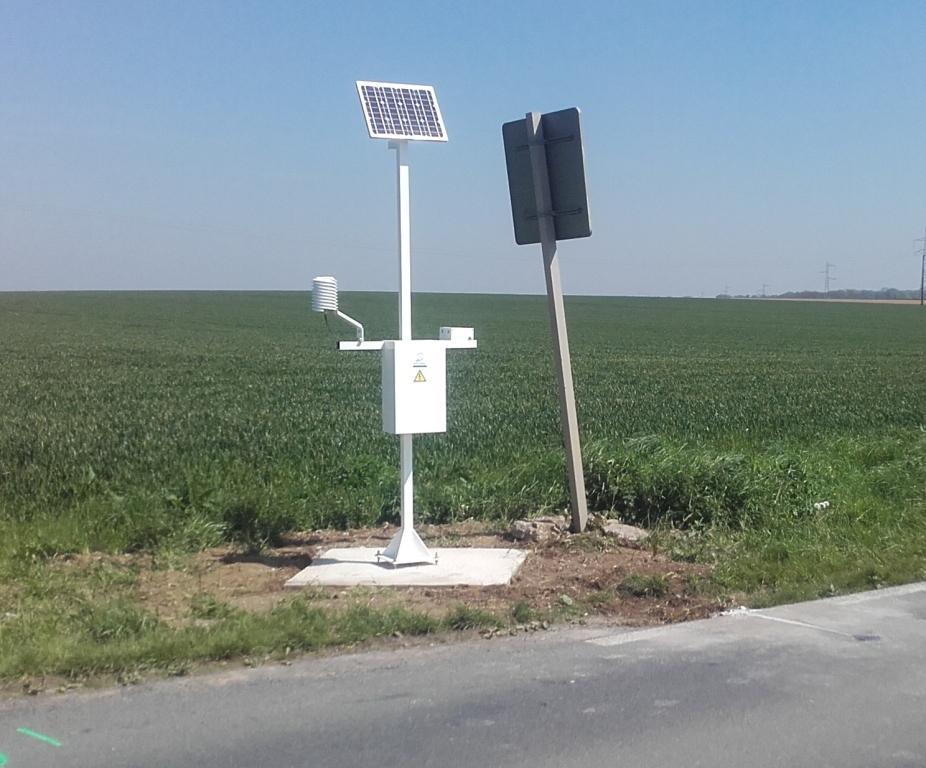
(406, 548)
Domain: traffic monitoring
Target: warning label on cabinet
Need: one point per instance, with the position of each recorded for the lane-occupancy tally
(419, 377)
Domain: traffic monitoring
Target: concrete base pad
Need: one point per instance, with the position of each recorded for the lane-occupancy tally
(354, 566)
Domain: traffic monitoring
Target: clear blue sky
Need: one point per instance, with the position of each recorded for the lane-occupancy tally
(155, 145)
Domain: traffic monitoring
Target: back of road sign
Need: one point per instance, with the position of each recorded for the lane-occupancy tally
(566, 169)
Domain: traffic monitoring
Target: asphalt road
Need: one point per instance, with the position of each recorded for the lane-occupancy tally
(838, 682)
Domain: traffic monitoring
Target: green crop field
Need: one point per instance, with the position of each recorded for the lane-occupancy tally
(145, 421)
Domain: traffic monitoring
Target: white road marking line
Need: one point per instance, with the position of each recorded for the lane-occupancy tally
(803, 624)
(628, 637)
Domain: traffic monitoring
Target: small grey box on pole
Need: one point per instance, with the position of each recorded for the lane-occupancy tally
(546, 181)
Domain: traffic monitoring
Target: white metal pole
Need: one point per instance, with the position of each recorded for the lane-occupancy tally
(408, 482)
(405, 256)
(405, 320)
(406, 546)
(923, 269)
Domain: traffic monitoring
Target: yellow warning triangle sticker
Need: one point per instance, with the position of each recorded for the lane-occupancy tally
(419, 377)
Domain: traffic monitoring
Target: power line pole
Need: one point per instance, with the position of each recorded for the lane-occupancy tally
(827, 279)
(922, 254)
(764, 286)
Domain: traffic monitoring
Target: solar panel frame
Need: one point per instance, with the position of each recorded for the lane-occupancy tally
(401, 111)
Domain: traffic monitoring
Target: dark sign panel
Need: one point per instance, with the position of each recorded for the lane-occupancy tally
(566, 169)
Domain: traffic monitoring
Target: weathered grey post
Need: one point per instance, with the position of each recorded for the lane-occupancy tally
(567, 399)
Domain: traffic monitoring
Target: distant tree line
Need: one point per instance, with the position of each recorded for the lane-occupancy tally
(850, 293)
(847, 293)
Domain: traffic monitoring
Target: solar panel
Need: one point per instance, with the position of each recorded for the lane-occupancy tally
(399, 111)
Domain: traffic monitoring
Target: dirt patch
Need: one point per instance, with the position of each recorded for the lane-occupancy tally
(571, 577)
(589, 579)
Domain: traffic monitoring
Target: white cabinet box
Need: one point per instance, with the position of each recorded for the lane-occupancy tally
(414, 387)
(455, 333)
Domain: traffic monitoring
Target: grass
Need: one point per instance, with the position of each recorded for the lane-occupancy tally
(170, 422)
(115, 637)
(644, 585)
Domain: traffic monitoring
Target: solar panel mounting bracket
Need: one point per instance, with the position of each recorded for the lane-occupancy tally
(573, 212)
(546, 142)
